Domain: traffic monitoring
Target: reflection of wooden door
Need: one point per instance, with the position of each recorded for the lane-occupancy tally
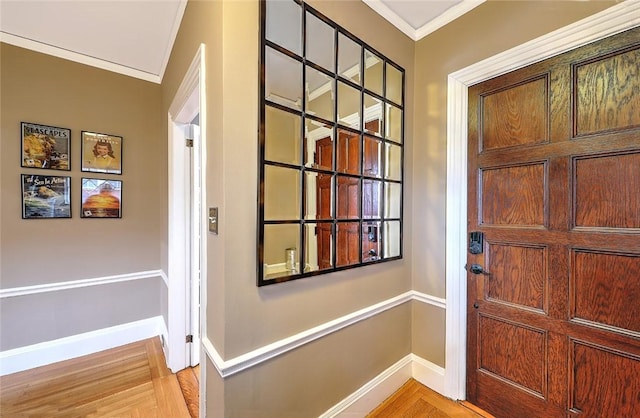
(554, 185)
(323, 159)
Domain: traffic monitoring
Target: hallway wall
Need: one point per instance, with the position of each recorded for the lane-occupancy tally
(43, 89)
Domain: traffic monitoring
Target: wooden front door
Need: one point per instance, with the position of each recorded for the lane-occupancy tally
(553, 325)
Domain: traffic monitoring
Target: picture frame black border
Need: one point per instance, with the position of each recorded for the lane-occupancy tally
(95, 170)
(22, 136)
(82, 181)
(67, 193)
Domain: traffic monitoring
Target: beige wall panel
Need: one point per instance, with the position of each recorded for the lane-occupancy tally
(46, 90)
(428, 332)
(491, 28)
(311, 379)
(258, 316)
(36, 318)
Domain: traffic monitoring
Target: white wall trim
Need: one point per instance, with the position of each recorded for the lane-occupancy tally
(76, 57)
(613, 20)
(36, 355)
(237, 364)
(374, 392)
(429, 374)
(74, 284)
(448, 16)
(178, 270)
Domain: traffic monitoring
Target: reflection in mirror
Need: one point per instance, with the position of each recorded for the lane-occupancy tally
(281, 249)
(283, 80)
(372, 72)
(347, 247)
(282, 136)
(319, 201)
(319, 143)
(394, 84)
(370, 241)
(320, 43)
(393, 162)
(393, 126)
(281, 193)
(371, 198)
(349, 57)
(331, 147)
(393, 197)
(391, 238)
(318, 246)
(348, 152)
(284, 25)
(372, 115)
(319, 94)
(372, 157)
(348, 190)
(348, 106)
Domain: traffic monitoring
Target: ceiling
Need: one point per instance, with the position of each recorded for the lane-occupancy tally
(135, 37)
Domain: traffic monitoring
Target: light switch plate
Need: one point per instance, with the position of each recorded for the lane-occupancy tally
(213, 220)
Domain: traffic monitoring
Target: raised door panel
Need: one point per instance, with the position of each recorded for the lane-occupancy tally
(514, 195)
(606, 190)
(606, 93)
(516, 115)
(604, 382)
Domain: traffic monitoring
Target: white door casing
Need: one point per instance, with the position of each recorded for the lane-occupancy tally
(613, 20)
(186, 239)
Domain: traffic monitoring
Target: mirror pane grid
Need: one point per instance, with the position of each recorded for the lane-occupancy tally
(320, 41)
(284, 25)
(319, 94)
(318, 246)
(282, 136)
(331, 147)
(349, 59)
(281, 246)
(283, 79)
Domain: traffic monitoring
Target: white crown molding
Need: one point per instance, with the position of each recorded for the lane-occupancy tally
(448, 16)
(172, 38)
(76, 57)
(616, 19)
(41, 354)
(74, 284)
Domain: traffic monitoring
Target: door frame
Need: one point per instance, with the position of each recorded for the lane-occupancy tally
(615, 19)
(190, 99)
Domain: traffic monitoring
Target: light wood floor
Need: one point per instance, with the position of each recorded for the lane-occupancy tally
(414, 400)
(133, 381)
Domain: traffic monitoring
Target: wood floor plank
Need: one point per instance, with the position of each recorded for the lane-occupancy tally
(131, 381)
(414, 400)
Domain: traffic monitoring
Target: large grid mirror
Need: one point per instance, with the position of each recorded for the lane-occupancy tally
(331, 147)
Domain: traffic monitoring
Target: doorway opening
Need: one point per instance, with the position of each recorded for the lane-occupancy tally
(186, 263)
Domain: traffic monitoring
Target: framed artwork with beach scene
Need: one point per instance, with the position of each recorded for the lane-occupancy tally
(101, 153)
(101, 198)
(45, 146)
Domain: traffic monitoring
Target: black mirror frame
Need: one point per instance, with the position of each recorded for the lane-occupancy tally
(262, 162)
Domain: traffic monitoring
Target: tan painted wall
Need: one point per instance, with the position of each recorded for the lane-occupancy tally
(242, 317)
(42, 89)
(491, 28)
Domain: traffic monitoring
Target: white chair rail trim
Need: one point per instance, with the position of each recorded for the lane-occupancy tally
(237, 364)
(74, 284)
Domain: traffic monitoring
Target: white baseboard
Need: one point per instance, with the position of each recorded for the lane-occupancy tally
(372, 394)
(41, 354)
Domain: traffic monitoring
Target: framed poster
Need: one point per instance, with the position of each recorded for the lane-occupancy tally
(101, 153)
(46, 197)
(45, 146)
(101, 198)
